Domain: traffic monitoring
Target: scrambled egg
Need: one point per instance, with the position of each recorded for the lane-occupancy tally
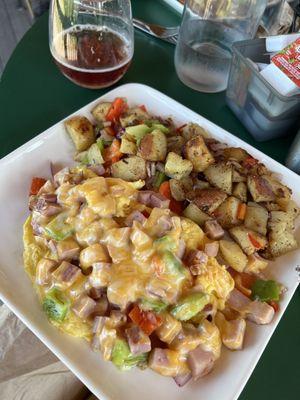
(33, 252)
(192, 234)
(216, 281)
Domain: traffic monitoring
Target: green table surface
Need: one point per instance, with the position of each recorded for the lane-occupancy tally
(34, 96)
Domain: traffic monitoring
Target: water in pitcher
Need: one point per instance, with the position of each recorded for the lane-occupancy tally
(202, 62)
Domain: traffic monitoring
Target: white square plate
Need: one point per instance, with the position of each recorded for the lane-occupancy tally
(102, 378)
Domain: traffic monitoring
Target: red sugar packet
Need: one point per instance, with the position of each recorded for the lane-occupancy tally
(288, 61)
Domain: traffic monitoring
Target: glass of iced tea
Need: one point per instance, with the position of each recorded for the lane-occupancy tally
(91, 41)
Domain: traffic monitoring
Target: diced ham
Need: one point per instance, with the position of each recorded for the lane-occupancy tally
(181, 380)
(48, 187)
(62, 176)
(43, 271)
(68, 249)
(232, 332)
(200, 362)
(261, 313)
(197, 257)
(101, 307)
(135, 216)
(238, 301)
(48, 209)
(159, 201)
(256, 311)
(49, 197)
(66, 274)
(84, 306)
(158, 358)
(144, 196)
(153, 199)
(213, 229)
(138, 341)
(211, 249)
(196, 260)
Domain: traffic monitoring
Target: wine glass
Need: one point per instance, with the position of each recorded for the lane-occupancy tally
(91, 41)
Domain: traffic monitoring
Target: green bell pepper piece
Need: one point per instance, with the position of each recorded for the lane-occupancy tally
(159, 178)
(265, 290)
(124, 359)
(101, 144)
(153, 305)
(138, 131)
(165, 243)
(58, 229)
(174, 265)
(55, 305)
(189, 306)
(160, 127)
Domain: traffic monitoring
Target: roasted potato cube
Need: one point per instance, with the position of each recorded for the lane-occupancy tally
(233, 255)
(197, 152)
(99, 112)
(130, 169)
(220, 175)
(289, 206)
(235, 153)
(128, 145)
(280, 221)
(208, 200)
(195, 214)
(190, 130)
(134, 116)
(256, 218)
(226, 214)
(153, 146)
(256, 264)
(272, 206)
(81, 131)
(179, 188)
(175, 144)
(199, 184)
(240, 191)
(260, 188)
(237, 176)
(281, 191)
(249, 240)
(281, 242)
(176, 167)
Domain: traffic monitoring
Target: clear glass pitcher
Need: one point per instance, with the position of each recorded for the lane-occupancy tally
(208, 29)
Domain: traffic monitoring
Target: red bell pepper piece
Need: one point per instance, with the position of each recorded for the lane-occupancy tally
(117, 108)
(148, 321)
(36, 184)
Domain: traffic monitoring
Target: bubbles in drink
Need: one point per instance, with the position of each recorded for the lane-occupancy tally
(91, 56)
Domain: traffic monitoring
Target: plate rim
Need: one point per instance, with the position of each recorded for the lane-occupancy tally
(29, 322)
